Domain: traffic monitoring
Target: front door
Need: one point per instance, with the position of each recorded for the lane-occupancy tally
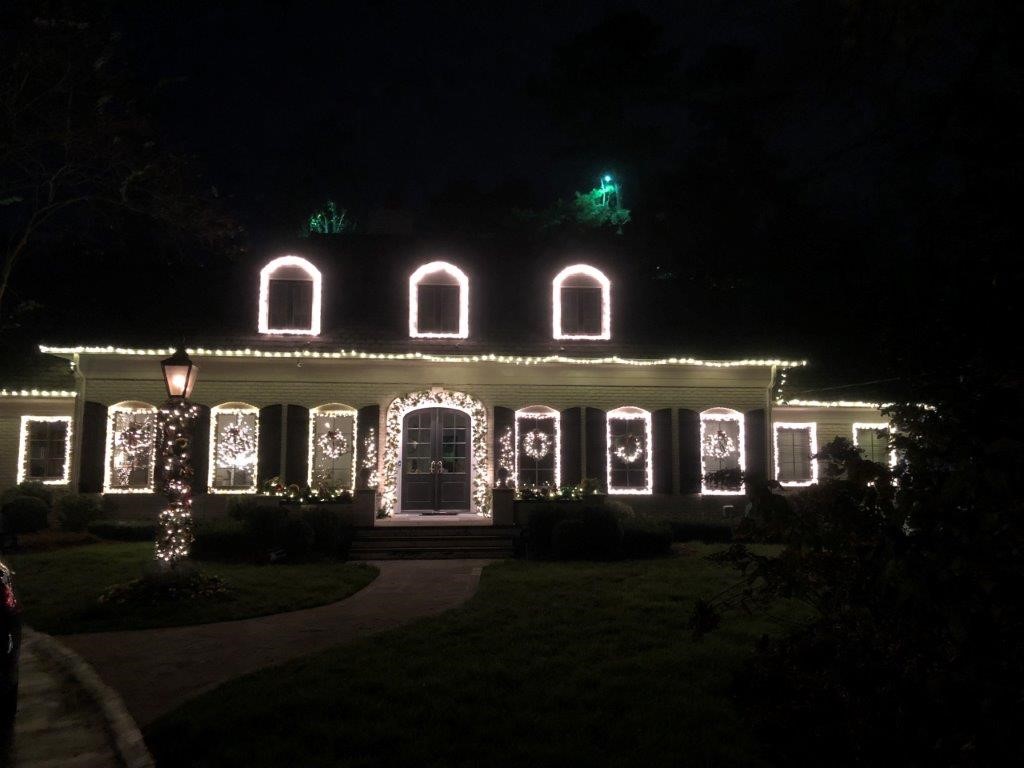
(435, 461)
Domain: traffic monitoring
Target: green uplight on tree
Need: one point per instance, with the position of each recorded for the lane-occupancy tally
(328, 220)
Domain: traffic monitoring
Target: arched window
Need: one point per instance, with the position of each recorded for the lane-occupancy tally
(290, 297)
(332, 447)
(234, 446)
(538, 440)
(438, 302)
(722, 452)
(581, 298)
(629, 451)
(130, 459)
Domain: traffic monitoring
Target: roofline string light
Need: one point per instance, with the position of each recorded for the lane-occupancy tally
(62, 393)
(629, 413)
(65, 477)
(267, 273)
(540, 412)
(425, 357)
(606, 302)
(463, 282)
(813, 428)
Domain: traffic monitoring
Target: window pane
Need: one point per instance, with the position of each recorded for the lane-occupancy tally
(794, 447)
(629, 454)
(581, 311)
(291, 304)
(437, 308)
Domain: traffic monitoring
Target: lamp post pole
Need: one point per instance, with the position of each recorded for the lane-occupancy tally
(177, 429)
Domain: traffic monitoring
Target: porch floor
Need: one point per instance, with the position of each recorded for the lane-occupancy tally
(404, 519)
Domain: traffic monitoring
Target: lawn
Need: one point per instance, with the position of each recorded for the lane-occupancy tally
(59, 589)
(550, 664)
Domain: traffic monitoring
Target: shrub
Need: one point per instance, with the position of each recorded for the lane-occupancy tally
(331, 535)
(568, 539)
(297, 538)
(646, 538)
(602, 532)
(32, 488)
(263, 522)
(75, 512)
(223, 540)
(123, 530)
(709, 533)
(159, 586)
(598, 529)
(25, 514)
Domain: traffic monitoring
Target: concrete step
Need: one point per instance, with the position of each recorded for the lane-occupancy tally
(431, 553)
(433, 542)
(396, 531)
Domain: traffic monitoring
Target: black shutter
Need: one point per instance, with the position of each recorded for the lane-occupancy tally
(269, 459)
(597, 446)
(504, 419)
(661, 450)
(369, 418)
(296, 450)
(569, 430)
(754, 439)
(689, 451)
(94, 443)
(201, 450)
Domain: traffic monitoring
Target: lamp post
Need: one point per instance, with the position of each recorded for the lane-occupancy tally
(177, 422)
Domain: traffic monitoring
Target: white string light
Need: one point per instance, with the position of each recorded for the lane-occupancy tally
(23, 457)
(812, 429)
(591, 273)
(267, 274)
(874, 426)
(463, 282)
(59, 393)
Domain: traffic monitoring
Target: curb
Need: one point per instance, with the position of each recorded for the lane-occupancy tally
(127, 739)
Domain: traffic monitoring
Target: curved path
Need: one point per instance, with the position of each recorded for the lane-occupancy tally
(155, 670)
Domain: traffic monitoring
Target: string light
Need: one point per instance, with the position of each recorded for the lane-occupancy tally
(329, 442)
(540, 412)
(631, 454)
(23, 457)
(130, 446)
(460, 401)
(506, 460)
(629, 413)
(267, 274)
(812, 430)
(240, 450)
(719, 416)
(463, 282)
(536, 444)
(353, 354)
(174, 538)
(59, 393)
(592, 273)
(370, 457)
(876, 426)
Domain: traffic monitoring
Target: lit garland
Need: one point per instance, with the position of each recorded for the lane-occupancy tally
(812, 430)
(507, 459)
(392, 447)
(174, 538)
(267, 274)
(233, 447)
(717, 416)
(630, 455)
(130, 446)
(629, 413)
(540, 412)
(536, 444)
(370, 457)
(426, 357)
(23, 457)
(328, 442)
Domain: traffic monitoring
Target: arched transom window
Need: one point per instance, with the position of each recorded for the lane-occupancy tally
(290, 297)
(438, 302)
(581, 304)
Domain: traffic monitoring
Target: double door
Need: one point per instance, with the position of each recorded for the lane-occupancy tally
(435, 460)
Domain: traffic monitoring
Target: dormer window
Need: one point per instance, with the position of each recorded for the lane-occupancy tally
(439, 302)
(290, 297)
(581, 304)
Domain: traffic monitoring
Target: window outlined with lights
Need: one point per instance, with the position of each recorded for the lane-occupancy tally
(873, 439)
(333, 436)
(291, 297)
(796, 444)
(538, 445)
(44, 449)
(129, 461)
(628, 441)
(722, 453)
(581, 304)
(438, 302)
(234, 448)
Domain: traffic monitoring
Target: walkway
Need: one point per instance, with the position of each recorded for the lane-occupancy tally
(155, 670)
(58, 723)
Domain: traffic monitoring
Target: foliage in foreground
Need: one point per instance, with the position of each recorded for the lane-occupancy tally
(917, 652)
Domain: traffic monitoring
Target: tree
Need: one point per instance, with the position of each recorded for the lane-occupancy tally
(912, 651)
(74, 146)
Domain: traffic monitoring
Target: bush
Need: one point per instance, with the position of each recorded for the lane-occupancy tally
(709, 533)
(123, 530)
(597, 529)
(263, 522)
(331, 535)
(32, 488)
(567, 539)
(223, 540)
(646, 538)
(75, 512)
(25, 514)
(297, 538)
(159, 586)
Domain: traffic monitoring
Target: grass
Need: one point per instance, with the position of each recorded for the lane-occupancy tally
(550, 664)
(59, 589)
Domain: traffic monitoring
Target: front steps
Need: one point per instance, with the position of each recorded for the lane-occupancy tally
(432, 542)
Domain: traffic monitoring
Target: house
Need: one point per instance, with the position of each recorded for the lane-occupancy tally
(432, 378)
